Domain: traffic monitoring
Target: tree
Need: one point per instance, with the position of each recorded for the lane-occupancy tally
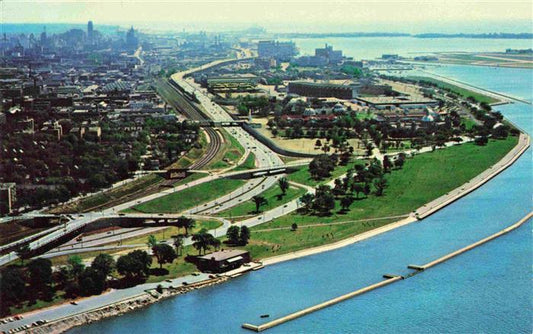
(76, 265)
(23, 252)
(324, 200)
(259, 201)
(104, 263)
(187, 223)
(244, 235)
(40, 272)
(134, 264)
(307, 200)
(283, 185)
(357, 188)
(346, 201)
(202, 241)
(178, 243)
(12, 289)
(399, 162)
(386, 163)
(380, 185)
(366, 189)
(92, 282)
(152, 241)
(321, 166)
(164, 254)
(481, 140)
(233, 235)
(294, 226)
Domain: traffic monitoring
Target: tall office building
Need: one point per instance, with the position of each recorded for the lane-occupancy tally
(90, 32)
(131, 40)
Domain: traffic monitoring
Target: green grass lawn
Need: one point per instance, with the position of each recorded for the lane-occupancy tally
(468, 123)
(271, 195)
(302, 175)
(422, 179)
(456, 89)
(189, 197)
(249, 163)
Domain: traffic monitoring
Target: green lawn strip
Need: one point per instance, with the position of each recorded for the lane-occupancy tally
(422, 179)
(302, 175)
(456, 89)
(271, 195)
(249, 163)
(189, 197)
(166, 233)
(272, 243)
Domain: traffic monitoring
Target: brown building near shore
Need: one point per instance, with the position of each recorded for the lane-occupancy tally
(222, 261)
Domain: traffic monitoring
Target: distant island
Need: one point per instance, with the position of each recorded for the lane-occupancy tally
(425, 35)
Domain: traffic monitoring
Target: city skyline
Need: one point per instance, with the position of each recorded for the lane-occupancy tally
(404, 16)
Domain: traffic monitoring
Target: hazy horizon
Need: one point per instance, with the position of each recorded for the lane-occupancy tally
(300, 16)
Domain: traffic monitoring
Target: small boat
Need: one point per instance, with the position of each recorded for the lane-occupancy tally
(265, 315)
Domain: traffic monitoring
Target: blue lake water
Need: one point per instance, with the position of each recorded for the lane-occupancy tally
(373, 47)
(486, 290)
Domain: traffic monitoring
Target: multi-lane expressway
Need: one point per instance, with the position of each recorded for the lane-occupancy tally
(265, 158)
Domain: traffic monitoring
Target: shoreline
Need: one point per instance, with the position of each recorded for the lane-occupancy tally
(130, 303)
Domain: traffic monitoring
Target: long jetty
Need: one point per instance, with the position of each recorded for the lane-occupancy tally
(389, 279)
(472, 246)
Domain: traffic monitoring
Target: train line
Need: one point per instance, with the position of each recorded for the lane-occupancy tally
(176, 98)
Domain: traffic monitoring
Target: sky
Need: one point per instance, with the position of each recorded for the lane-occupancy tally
(447, 16)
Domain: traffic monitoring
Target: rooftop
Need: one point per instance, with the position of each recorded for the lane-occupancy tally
(223, 254)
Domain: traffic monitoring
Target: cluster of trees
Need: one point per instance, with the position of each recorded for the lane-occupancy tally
(203, 241)
(362, 179)
(134, 266)
(322, 165)
(36, 280)
(163, 252)
(49, 171)
(238, 236)
(259, 105)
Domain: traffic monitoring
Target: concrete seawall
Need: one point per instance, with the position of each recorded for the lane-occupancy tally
(320, 306)
(443, 201)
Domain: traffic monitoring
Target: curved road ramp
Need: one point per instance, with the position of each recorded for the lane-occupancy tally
(389, 279)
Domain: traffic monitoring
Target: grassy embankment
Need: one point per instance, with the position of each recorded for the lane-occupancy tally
(422, 179)
(272, 195)
(229, 154)
(189, 197)
(456, 89)
(249, 163)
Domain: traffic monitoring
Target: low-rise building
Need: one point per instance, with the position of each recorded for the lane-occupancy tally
(224, 260)
(303, 88)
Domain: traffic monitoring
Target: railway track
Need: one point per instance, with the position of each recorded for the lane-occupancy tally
(175, 98)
